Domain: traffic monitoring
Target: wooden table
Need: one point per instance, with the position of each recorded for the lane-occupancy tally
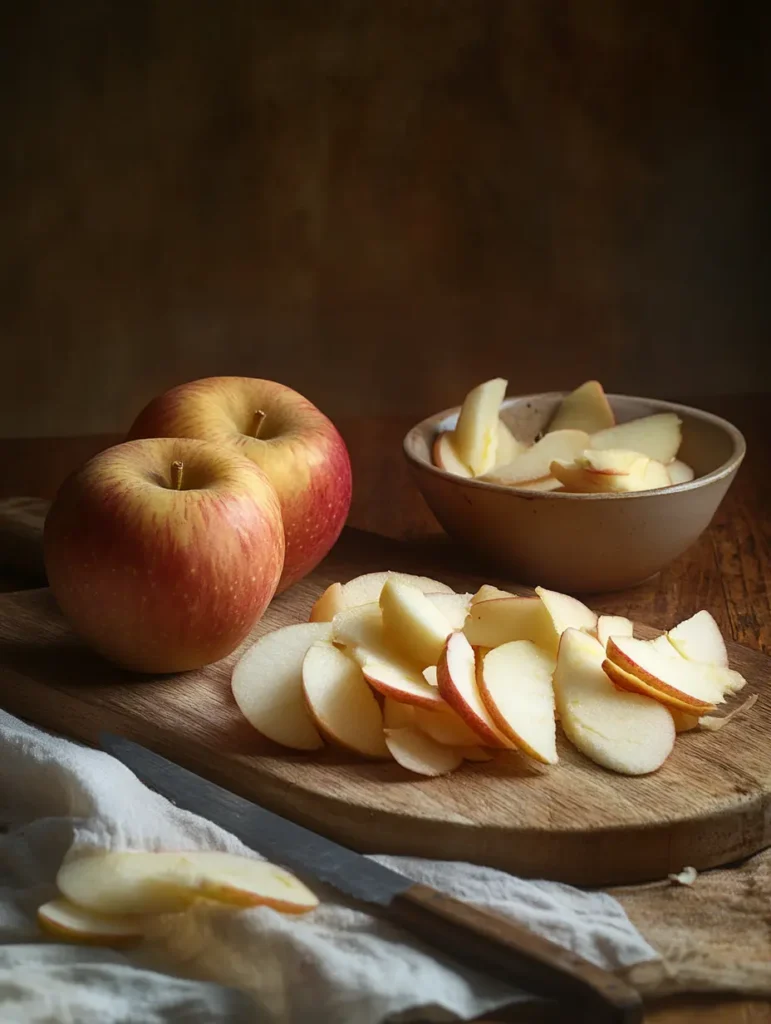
(727, 570)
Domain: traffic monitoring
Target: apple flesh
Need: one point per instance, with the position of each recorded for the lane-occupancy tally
(413, 625)
(680, 472)
(342, 705)
(657, 436)
(65, 920)
(476, 433)
(457, 677)
(444, 726)
(284, 434)
(699, 639)
(163, 553)
(366, 589)
(393, 677)
(499, 621)
(613, 625)
(267, 685)
(418, 753)
(445, 457)
(586, 408)
(329, 604)
(566, 612)
(508, 446)
(515, 681)
(535, 462)
(625, 732)
(137, 882)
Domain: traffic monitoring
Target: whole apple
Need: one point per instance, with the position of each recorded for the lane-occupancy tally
(163, 553)
(285, 435)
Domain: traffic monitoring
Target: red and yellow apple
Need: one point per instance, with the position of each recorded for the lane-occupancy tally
(163, 553)
(281, 432)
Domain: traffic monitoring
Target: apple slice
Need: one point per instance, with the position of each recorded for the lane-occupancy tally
(137, 882)
(429, 674)
(499, 621)
(663, 646)
(489, 593)
(412, 624)
(657, 436)
(342, 705)
(699, 639)
(508, 446)
(366, 589)
(683, 721)
(567, 612)
(613, 625)
(580, 478)
(680, 472)
(418, 753)
(534, 463)
(446, 727)
(329, 604)
(586, 408)
(395, 678)
(548, 483)
(456, 674)
(397, 715)
(691, 685)
(656, 475)
(515, 683)
(476, 433)
(624, 680)
(268, 689)
(454, 607)
(625, 732)
(65, 920)
(360, 626)
(445, 457)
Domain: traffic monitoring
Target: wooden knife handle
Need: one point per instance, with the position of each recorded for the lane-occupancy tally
(499, 946)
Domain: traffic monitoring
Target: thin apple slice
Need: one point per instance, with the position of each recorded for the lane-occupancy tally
(412, 624)
(445, 457)
(656, 475)
(580, 478)
(489, 593)
(625, 732)
(508, 446)
(395, 678)
(613, 625)
(683, 721)
(548, 483)
(624, 680)
(418, 753)
(65, 920)
(499, 621)
(329, 604)
(699, 639)
(677, 680)
(567, 612)
(360, 626)
(663, 646)
(343, 706)
(610, 460)
(515, 683)
(137, 882)
(397, 715)
(446, 727)
(267, 685)
(475, 754)
(657, 436)
(366, 589)
(456, 674)
(534, 463)
(476, 433)
(680, 472)
(586, 408)
(454, 607)
(429, 674)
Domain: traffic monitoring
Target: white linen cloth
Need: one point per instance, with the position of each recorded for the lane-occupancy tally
(215, 964)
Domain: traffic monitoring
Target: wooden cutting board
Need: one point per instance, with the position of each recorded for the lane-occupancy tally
(573, 822)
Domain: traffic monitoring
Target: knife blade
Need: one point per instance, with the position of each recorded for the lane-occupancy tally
(483, 939)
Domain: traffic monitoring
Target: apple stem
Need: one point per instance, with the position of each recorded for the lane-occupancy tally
(259, 419)
(176, 475)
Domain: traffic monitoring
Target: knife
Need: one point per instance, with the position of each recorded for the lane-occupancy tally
(485, 940)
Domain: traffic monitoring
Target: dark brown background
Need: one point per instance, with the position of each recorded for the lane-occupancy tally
(380, 203)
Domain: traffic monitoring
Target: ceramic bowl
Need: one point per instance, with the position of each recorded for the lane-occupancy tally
(579, 543)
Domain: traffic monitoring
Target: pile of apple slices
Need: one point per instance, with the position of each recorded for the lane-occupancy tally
(108, 898)
(582, 450)
(398, 666)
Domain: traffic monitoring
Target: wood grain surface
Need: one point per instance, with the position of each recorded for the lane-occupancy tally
(708, 805)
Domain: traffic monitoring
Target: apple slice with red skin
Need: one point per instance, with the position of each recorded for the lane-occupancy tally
(457, 679)
(395, 678)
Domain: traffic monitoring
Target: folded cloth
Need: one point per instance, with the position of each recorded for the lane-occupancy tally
(214, 963)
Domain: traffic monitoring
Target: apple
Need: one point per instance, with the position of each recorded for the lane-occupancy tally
(566, 612)
(342, 705)
(657, 436)
(366, 589)
(498, 621)
(429, 674)
(267, 685)
(508, 446)
(418, 753)
(625, 732)
(360, 626)
(138, 882)
(445, 726)
(475, 438)
(586, 408)
(65, 920)
(285, 435)
(454, 607)
(535, 462)
(515, 683)
(163, 553)
(680, 472)
(489, 593)
(699, 639)
(663, 646)
(547, 483)
(690, 685)
(329, 604)
(413, 625)
(457, 678)
(396, 678)
(397, 715)
(613, 625)
(445, 457)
